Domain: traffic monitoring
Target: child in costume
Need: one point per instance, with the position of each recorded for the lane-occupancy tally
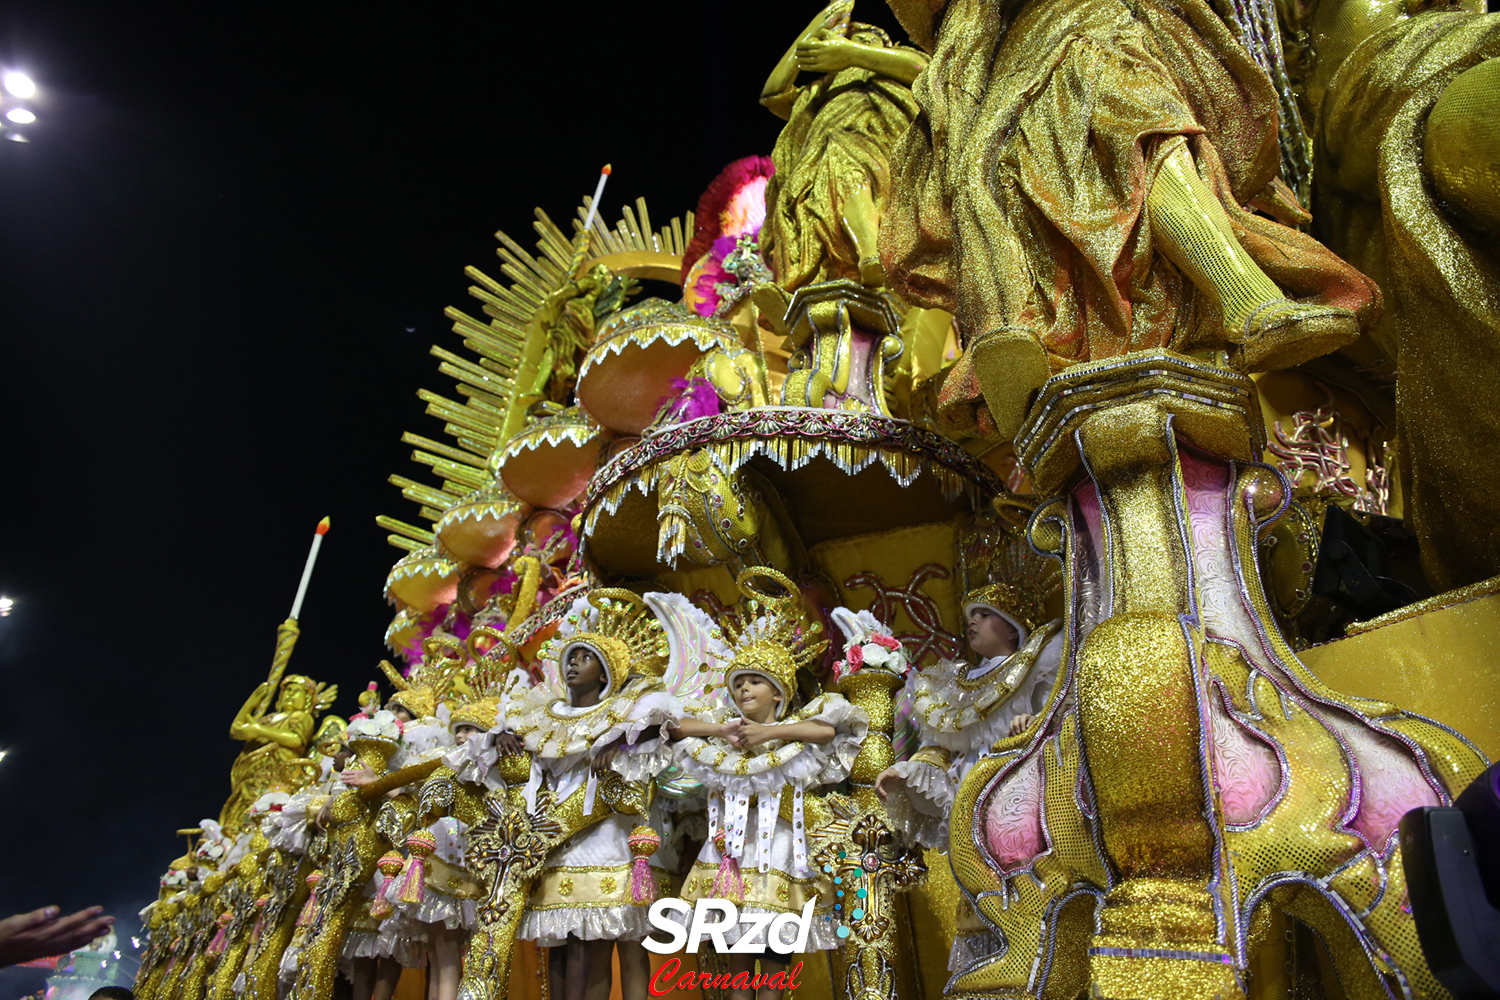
(602, 724)
(962, 710)
(758, 753)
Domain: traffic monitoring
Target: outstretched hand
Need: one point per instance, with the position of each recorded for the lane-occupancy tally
(508, 744)
(604, 758)
(825, 54)
(42, 933)
(358, 778)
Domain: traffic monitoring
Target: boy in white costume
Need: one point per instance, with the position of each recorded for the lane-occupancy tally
(963, 710)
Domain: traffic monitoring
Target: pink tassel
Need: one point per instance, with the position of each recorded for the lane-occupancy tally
(390, 865)
(643, 843)
(216, 946)
(728, 883)
(414, 881)
(310, 909)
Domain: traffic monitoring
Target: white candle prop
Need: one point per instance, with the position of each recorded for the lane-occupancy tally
(312, 557)
(588, 221)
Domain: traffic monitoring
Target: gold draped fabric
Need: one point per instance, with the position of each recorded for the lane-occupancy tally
(1443, 321)
(838, 136)
(1021, 186)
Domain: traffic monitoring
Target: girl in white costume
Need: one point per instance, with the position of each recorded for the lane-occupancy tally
(757, 753)
(606, 716)
(963, 710)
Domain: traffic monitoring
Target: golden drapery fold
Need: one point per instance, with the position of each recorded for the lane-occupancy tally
(838, 137)
(1443, 325)
(1020, 189)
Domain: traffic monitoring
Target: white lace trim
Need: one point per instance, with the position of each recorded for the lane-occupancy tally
(964, 719)
(919, 807)
(550, 928)
(714, 762)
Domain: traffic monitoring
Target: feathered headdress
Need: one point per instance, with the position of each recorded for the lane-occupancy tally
(771, 632)
(1021, 583)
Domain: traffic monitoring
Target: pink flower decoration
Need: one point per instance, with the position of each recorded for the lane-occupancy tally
(888, 641)
(855, 655)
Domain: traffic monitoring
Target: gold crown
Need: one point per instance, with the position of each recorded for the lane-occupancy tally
(624, 634)
(1023, 581)
(772, 634)
(431, 681)
(479, 713)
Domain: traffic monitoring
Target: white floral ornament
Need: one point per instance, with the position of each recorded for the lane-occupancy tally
(269, 803)
(881, 651)
(382, 724)
(174, 877)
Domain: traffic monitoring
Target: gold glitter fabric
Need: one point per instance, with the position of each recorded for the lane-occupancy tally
(1442, 324)
(1021, 187)
(837, 140)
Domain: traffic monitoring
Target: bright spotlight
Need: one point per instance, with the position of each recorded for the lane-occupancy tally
(7, 605)
(13, 136)
(3, 753)
(21, 116)
(20, 84)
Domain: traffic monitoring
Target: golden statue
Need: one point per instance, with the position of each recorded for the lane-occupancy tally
(1072, 190)
(273, 741)
(1406, 122)
(833, 178)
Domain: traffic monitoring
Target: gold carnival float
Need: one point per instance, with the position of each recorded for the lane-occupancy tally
(1034, 546)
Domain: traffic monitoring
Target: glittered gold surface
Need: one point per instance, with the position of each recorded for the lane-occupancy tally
(1047, 237)
(1438, 665)
(1374, 205)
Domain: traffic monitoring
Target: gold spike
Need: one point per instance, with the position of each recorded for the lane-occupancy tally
(524, 280)
(473, 393)
(649, 238)
(496, 385)
(679, 246)
(441, 449)
(420, 492)
(455, 471)
(404, 543)
(473, 444)
(402, 528)
(458, 413)
(553, 243)
(475, 274)
(464, 369)
(432, 514)
(628, 223)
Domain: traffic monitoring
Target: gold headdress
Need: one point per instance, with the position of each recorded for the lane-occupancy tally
(771, 634)
(492, 657)
(1023, 581)
(623, 633)
(430, 683)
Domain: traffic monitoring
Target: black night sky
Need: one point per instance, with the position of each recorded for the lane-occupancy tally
(223, 257)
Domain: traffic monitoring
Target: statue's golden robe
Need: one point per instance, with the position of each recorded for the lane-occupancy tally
(1020, 189)
(838, 136)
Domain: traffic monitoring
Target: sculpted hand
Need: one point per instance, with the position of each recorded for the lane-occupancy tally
(1019, 723)
(42, 934)
(826, 55)
(887, 782)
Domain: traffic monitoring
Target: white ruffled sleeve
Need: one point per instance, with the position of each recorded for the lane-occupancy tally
(287, 829)
(919, 806)
(643, 759)
(1043, 674)
(850, 725)
(473, 761)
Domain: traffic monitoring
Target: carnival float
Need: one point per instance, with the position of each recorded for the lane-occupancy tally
(1048, 539)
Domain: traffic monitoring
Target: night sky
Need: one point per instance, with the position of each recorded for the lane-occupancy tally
(223, 257)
